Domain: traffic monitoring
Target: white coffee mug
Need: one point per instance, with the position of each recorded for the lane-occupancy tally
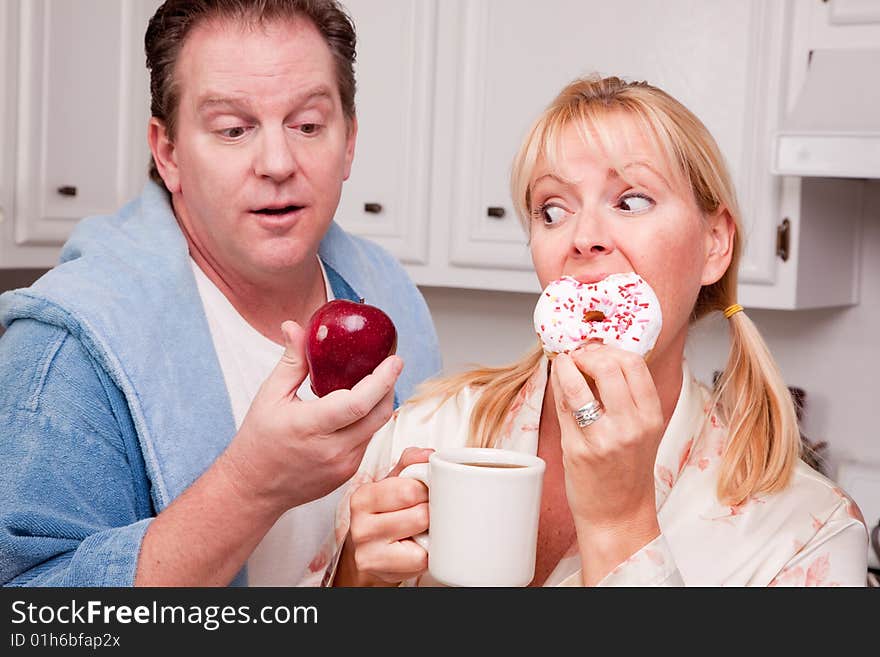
(484, 506)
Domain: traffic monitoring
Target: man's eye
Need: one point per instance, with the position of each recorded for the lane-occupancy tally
(635, 203)
(309, 128)
(233, 133)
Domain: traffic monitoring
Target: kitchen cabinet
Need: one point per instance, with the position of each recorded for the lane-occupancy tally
(711, 56)
(825, 213)
(446, 91)
(73, 119)
(386, 197)
(737, 64)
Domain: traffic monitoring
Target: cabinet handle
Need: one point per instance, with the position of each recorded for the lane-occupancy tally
(783, 239)
(67, 190)
(496, 213)
(373, 208)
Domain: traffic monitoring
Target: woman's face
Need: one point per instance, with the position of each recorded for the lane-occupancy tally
(623, 211)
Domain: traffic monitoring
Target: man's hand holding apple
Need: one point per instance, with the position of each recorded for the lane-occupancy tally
(289, 451)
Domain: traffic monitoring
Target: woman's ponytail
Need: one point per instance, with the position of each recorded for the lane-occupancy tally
(764, 441)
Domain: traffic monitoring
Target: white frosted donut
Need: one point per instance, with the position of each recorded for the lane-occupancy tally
(620, 310)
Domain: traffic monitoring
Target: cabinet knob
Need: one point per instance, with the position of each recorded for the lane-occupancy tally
(67, 190)
(373, 208)
(496, 213)
(783, 239)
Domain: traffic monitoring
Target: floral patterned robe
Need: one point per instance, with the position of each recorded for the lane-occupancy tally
(810, 534)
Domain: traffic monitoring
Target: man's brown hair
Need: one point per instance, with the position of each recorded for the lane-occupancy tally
(175, 19)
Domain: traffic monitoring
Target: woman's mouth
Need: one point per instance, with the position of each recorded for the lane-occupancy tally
(588, 279)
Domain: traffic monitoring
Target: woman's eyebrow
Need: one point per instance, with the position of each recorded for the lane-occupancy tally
(639, 164)
(550, 176)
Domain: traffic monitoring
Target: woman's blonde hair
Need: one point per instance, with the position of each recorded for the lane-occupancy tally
(764, 442)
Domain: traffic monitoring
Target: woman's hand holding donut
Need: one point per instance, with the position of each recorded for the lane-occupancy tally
(609, 465)
(384, 515)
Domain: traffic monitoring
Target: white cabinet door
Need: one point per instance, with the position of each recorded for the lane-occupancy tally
(79, 110)
(824, 215)
(713, 56)
(7, 109)
(386, 197)
(75, 118)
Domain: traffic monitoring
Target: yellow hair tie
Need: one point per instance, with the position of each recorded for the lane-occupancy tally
(730, 311)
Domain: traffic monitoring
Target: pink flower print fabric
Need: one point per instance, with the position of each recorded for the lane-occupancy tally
(809, 534)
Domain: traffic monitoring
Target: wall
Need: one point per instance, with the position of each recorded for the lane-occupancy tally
(832, 354)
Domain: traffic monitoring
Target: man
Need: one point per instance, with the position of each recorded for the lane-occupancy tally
(149, 433)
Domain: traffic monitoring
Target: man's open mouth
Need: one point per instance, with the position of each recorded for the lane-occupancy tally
(287, 209)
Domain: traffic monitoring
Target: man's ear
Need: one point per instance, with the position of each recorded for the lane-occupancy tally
(350, 141)
(720, 236)
(163, 154)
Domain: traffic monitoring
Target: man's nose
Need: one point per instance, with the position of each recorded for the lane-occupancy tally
(275, 157)
(592, 235)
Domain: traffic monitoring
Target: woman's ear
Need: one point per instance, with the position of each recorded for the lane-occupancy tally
(162, 149)
(720, 236)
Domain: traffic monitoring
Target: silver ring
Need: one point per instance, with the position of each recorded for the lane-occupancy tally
(588, 413)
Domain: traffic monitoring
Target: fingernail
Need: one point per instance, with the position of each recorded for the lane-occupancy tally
(396, 365)
(593, 346)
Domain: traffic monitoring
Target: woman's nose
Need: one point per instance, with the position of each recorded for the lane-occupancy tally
(275, 158)
(591, 236)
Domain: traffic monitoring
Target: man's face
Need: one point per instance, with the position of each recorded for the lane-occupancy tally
(261, 146)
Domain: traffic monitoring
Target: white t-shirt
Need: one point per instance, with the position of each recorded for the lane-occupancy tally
(246, 359)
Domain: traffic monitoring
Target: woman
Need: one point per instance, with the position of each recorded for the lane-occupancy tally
(673, 484)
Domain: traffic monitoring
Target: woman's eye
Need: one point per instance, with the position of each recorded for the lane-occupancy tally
(551, 214)
(635, 203)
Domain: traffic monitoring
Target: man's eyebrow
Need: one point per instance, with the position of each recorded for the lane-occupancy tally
(211, 102)
(217, 102)
(319, 93)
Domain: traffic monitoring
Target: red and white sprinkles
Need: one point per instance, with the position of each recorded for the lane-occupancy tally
(631, 310)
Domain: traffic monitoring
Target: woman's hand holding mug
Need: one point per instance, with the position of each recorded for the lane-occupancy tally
(484, 507)
(384, 515)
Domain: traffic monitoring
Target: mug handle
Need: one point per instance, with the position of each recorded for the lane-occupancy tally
(420, 472)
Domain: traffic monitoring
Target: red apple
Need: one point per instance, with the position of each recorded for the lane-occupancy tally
(345, 341)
